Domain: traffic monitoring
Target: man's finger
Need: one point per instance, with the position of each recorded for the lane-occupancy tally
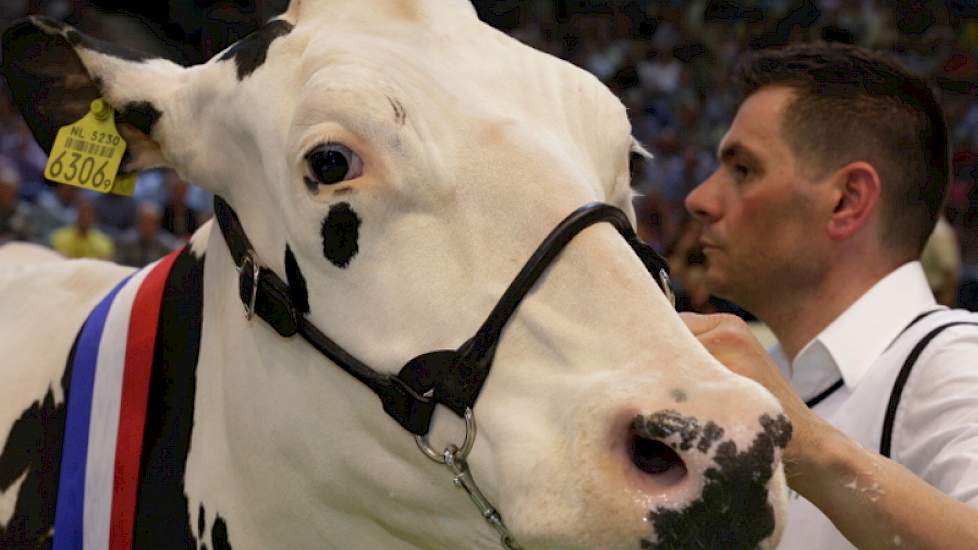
(700, 324)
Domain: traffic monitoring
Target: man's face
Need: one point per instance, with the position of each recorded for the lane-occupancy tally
(761, 213)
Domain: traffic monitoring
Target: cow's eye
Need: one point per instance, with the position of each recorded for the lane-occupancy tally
(333, 163)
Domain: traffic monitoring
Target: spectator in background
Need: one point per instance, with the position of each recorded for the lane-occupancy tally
(83, 239)
(942, 263)
(179, 218)
(116, 213)
(19, 147)
(147, 241)
(55, 208)
(15, 216)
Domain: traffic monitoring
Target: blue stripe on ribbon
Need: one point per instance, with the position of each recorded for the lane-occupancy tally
(70, 512)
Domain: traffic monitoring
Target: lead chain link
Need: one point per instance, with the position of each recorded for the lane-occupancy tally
(463, 479)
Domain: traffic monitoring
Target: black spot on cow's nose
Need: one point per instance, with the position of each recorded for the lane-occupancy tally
(679, 430)
(341, 231)
(778, 428)
(679, 395)
(733, 511)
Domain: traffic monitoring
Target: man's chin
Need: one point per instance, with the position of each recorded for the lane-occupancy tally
(716, 283)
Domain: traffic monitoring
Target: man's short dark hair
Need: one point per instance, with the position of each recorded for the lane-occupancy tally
(852, 104)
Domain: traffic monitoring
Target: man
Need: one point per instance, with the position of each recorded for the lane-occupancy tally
(829, 183)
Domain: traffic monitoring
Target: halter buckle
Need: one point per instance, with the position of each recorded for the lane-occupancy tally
(250, 262)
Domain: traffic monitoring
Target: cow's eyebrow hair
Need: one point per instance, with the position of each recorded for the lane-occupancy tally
(400, 115)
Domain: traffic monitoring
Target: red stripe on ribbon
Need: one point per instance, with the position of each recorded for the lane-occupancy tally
(135, 395)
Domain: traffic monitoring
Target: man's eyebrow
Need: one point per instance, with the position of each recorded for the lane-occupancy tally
(736, 149)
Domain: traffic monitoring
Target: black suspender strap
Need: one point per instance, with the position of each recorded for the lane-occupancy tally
(839, 383)
(821, 397)
(901, 381)
(916, 320)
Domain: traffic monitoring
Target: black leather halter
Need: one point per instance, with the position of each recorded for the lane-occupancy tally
(453, 378)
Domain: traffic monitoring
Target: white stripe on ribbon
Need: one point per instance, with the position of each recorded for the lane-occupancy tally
(104, 422)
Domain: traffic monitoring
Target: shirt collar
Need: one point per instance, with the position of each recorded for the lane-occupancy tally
(855, 339)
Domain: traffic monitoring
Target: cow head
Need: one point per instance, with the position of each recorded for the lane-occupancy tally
(397, 162)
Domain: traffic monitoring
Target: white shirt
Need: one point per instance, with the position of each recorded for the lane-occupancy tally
(936, 430)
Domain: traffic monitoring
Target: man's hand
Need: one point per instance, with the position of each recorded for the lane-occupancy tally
(730, 340)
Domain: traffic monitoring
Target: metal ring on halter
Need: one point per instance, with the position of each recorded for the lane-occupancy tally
(256, 272)
(463, 452)
(667, 286)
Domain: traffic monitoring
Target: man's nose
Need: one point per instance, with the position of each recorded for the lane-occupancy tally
(702, 202)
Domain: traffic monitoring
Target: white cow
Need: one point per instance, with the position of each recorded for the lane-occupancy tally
(396, 162)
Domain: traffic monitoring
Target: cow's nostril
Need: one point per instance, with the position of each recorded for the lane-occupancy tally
(654, 457)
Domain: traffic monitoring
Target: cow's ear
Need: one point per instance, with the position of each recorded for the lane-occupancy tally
(54, 72)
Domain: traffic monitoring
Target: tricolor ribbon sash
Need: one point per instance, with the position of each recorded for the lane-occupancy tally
(106, 415)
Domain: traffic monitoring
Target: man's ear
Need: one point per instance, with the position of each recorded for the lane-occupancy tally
(54, 72)
(857, 195)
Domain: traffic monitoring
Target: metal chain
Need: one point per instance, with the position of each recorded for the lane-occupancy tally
(454, 459)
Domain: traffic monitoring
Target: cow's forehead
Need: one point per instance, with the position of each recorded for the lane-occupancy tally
(447, 61)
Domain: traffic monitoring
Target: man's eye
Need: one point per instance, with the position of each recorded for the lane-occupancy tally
(741, 171)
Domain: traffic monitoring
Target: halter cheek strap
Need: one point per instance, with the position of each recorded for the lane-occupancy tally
(453, 378)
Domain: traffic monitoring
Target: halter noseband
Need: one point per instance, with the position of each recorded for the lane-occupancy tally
(453, 378)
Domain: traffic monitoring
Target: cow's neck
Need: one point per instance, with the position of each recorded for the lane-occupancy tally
(292, 451)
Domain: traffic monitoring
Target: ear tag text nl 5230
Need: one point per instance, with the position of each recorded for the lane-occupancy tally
(88, 153)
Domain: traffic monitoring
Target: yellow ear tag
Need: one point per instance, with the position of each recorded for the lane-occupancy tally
(125, 184)
(88, 153)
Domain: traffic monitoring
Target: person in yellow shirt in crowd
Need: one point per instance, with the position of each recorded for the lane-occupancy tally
(83, 239)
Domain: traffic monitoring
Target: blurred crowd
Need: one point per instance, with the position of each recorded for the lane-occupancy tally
(669, 61)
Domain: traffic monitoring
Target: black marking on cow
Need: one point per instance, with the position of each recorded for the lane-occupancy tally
(162, 509)
(50, 85)
(219, 534)
(733, 511)
(679, 395)
(47, 80)
(778, 428)
(200, 522)
(400, 115)
(249, 53)
(297, 283)
(711, 434)
(34, 447)
(663, 425)
(143, 115)
(341, 233)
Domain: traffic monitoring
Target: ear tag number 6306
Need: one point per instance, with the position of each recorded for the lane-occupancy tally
(88, 153)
